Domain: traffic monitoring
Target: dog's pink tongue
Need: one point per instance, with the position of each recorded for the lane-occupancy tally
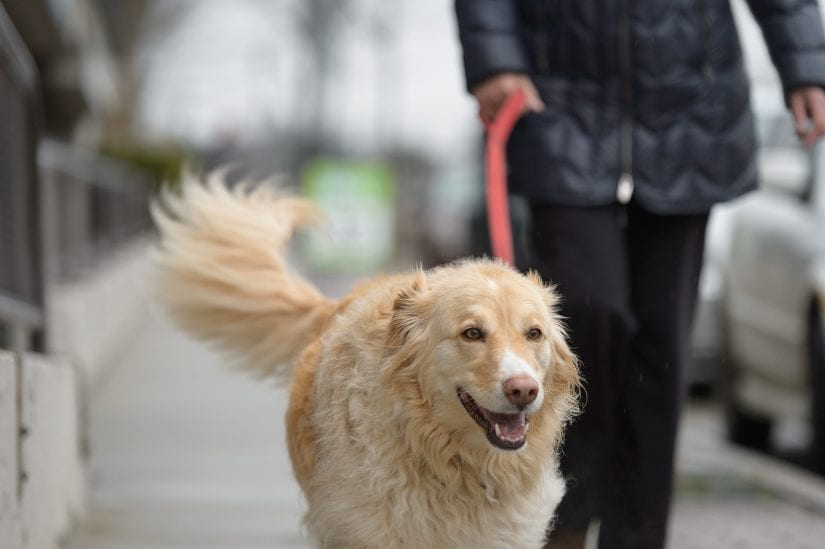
(511, 426)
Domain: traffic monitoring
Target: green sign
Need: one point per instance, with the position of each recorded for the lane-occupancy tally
(358, 201)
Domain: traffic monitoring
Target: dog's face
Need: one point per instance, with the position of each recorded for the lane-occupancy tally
(490, 351)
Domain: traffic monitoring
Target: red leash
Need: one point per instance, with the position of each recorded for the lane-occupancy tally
(498, 212)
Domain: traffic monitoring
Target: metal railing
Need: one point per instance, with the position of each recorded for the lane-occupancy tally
(61, 208)
(90, 205)
(85, 207)
(21, 284)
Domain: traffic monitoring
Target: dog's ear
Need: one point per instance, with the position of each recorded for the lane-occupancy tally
(406, 312)
(564, 383)
(551, 297)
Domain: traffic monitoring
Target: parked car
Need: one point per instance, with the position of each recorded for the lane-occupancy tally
(774, 302)
(707, 345)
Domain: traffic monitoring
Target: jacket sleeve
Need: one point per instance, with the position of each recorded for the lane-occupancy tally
(795, 38)
(491, 36)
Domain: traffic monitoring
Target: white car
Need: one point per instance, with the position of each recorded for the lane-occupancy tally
(708, 338)
(774, 303)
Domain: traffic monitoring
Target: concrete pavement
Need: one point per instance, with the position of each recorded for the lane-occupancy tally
(731, 498)
(188, 455)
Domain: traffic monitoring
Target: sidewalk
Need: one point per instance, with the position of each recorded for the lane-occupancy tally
(732, 498)
(188, 455)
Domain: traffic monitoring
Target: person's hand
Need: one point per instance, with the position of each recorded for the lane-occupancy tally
(808, 109)
(492, 93)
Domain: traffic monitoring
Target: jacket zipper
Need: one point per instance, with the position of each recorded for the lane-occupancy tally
(704, 15)
(624, 188)
(542, 38)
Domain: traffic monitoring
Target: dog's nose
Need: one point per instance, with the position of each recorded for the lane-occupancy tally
(521, 389)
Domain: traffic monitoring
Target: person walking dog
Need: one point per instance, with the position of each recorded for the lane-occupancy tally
(637, 121)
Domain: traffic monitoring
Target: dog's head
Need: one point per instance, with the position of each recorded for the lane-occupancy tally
(487, 352)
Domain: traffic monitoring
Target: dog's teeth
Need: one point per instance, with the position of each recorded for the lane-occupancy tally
(526, 428)
(497, 429)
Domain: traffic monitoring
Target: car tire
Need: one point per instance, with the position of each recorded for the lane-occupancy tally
(816, 360)
(747, 429)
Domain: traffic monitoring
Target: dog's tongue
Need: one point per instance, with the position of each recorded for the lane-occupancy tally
(510, 426)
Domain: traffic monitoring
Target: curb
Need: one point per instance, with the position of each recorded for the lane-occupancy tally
(703, 450)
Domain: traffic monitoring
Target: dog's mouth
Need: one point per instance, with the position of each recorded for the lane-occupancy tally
(505, 431)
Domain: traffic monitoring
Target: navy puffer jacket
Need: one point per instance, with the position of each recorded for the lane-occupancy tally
(644, 97)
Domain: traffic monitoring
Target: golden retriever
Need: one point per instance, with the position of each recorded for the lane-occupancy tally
(410, 398)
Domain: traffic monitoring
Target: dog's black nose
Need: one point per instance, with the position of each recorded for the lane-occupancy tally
(521, 389)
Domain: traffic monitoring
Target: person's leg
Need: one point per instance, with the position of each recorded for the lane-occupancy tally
(583, 251)
(665, 263)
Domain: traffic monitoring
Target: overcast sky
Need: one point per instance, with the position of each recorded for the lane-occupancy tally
(231, 70)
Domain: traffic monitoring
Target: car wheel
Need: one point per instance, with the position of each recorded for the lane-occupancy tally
(748, 429)
(816, 350)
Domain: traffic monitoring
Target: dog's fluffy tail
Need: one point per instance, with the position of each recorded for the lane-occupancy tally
(222, 272)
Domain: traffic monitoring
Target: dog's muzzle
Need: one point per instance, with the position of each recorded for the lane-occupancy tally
(505, 431)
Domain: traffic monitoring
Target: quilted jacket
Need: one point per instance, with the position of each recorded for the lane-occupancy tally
(645, 98)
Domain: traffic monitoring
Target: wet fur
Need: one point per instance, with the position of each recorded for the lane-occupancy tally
(380, 445)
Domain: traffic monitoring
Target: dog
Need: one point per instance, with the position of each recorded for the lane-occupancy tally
(426, 409)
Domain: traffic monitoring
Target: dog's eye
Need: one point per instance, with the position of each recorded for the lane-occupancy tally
(472, 334)
(534, 333)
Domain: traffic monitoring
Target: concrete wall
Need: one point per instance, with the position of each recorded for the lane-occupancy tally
(41, 466)
(90, 325)
(9, 505)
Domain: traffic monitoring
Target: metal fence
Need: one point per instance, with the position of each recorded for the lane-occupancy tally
(21, 287)
(85, 206)
(90, 205)
(61, 208)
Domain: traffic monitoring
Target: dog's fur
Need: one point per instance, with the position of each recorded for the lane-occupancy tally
(382, 446)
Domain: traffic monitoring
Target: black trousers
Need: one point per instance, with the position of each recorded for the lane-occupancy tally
(628, 281)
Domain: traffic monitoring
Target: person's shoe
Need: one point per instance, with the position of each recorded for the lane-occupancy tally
(566, 539)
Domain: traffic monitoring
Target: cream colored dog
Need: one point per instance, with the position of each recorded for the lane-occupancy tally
(410, 399)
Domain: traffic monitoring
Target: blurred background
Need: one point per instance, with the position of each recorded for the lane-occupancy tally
(115, 431)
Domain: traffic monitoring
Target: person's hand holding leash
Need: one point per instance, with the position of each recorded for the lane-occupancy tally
(493, 92)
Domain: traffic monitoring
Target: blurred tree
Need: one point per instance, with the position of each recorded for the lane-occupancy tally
(133, 26)
(320, 23)
(321, 26)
